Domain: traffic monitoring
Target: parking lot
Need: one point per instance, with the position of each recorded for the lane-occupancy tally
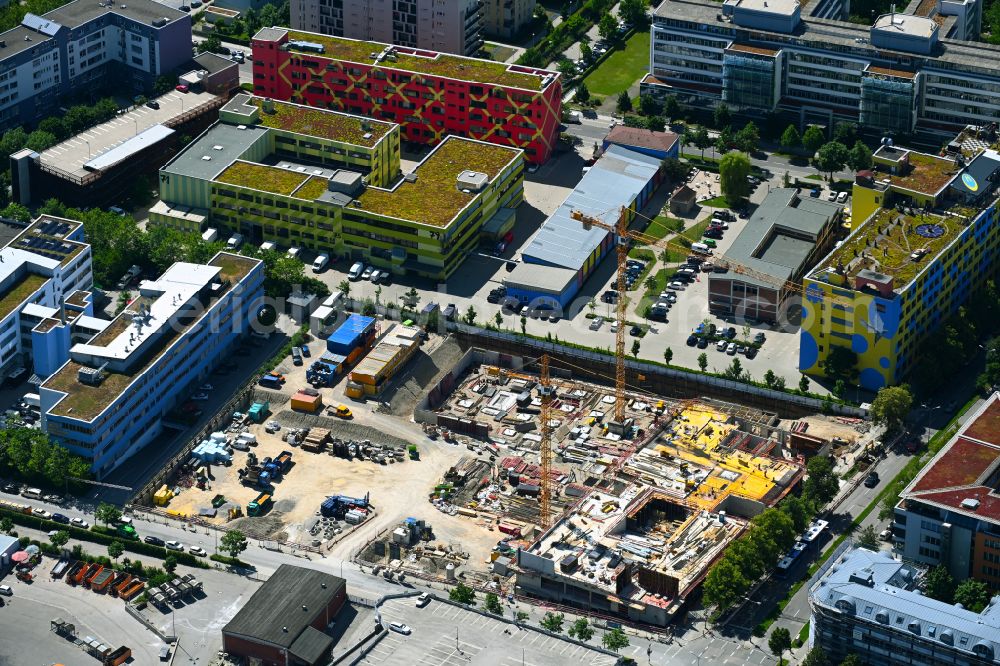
(447, 635)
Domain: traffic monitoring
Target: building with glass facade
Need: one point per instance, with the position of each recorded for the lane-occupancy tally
(912, 71)
(329, 182)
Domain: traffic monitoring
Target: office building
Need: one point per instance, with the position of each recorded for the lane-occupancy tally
(100, 167)
(563, 253)
(287, 619)
(780, 241)
(914, 71)
(506, 18)
(110, 395)
(907, 266)
(81, 46)
(329, 182)
(45, 271)
(868, 604)
(430, 95)
(450, 26)
(950, 513)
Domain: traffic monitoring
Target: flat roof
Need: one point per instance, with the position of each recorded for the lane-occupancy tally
(786, 7)
(110, 142)
(78, 12)
(615, 180)
(285, 605)
(85, 402)
(18, 291)
(419, 61)
(964, 476)
(322, 123)
(906, 24)
(222, 144)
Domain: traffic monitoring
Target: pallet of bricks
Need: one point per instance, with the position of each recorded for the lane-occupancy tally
(316, 439)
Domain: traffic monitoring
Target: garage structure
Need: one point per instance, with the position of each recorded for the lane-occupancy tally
(284, 622)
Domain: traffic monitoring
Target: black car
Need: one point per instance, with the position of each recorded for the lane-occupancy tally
(635, 331)
(59, 518)
(510, 305)
(702, 343)
(752, 352)
(712, 328)
(610, 296)
(730, 332)
(713, 233)
(759, 338)
(11, 488)
(692, 340)
(871, 480)
(153, 104)
(658, 314)
(155, 541)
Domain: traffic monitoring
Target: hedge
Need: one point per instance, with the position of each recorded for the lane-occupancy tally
(101, 535)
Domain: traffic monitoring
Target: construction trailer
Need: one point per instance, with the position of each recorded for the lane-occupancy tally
(375, 371)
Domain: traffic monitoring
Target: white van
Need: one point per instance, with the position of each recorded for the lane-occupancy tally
(356, 271)
(700, 247)
(248, 437)
(294, 252)
(33, 400)
(235, 241)
(210, 235)
(268, 246)
(32, 493)
(320, 262)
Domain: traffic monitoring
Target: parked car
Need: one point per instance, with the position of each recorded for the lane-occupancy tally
(885, 535)
(635, 331)
(759, 338)
(842, 197)
(181, 88)
(60, 518)
(721, 345)
(198, 550)
(400, 628)
(692, 340)
(155, 541)
(814, 192)
(450, 312)
(79, 522)
(423, 600)
(702, 343)
(676, 285)
(731, 349)
(831, 196)
(42, 513)
(153, 104)
(752, 352)
(175, 545)
(356, 271)
(730, 332)
(871, 480)
(6, 590)
(596, 323)
(11, 488)
(367, 274)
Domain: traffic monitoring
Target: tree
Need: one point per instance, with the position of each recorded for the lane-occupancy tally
(703, 361)
(6, 525)
(55, 126)
(582, 93)
(520, 616)
(649, 105)
(108, 513)
(813, 139)
(59, 539)
(115, 550)
(656, 124)
(668, 355)
(633, 12)
(803, 383)
(840, 362)
(972, 594)
(169, 563)
(492, 604)
(462, 594)
(470, 316)
(671, 107)
(721, 115)
(779, 641)
(553, 622)
(796, 509)
(233, 542)
(566, 67)
(769, 378)
(624, 104)
(700, 139)
(868, 538)
(724, 584)
(39, 140)
(581, 630)
(748, 138)
(891, 405)
(724, 142)
(635, 348)
(821, 483)
(15, 211)
(852, 660)
(733, 171)
(938, 584)
(860, 157)
(840, 388)
(498, 318)
(607, 28)
(790, 139)
(831, 157)
(845, 132)
(524, 325)
(816, 657)
(586, 53)
(615, 640)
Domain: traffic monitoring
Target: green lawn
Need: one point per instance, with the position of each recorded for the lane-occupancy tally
(717, 202)
(622, 68)
(650, 295)
(663, 225)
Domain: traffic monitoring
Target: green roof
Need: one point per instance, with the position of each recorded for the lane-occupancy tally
(322, 123)
(434, 198)
(22, 288)
(460, 68)
(927, 174)
(261, 177)
(234, 267)
(885, 243)
(312, 189)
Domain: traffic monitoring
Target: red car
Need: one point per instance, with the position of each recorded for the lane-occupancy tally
(181, 88)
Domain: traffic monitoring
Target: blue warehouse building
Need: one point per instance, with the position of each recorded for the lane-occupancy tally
(110, 394)
(83, 44)
(562, 255)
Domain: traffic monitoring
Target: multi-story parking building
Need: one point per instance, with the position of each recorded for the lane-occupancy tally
(80, 45)
(431, 95)
(44, 271)
(328, 182)
(868, 604)
(950, 513)
(110, 395)
(452, 26)
(927, 238)
(912, 71)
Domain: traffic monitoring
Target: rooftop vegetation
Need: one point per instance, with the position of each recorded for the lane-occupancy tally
(434, 198)
(234, 267)
(261, 177)
(927, 174)
(451, 66)
(885, 243)
(312, 189)
(322, 123)
(20, 290)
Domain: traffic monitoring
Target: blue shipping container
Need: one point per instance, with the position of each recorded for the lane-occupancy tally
(350, 334)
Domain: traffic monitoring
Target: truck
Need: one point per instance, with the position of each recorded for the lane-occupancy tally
(284, 461)
(337, 506)
(270, 381)
(256, 476)
(259, 505)
(210, 235)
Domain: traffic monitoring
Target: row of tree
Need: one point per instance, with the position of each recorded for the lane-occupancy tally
(32, 457)
(972, 594)
(247, 25)
(771, 534)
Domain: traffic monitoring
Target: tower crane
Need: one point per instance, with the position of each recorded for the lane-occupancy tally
(545, 448)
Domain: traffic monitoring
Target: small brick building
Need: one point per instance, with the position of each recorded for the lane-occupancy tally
(284, 622)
